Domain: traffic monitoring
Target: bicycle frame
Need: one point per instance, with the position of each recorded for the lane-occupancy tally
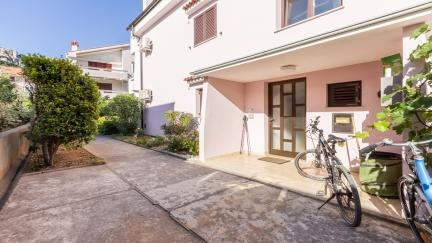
(420, 169)
(328, 152)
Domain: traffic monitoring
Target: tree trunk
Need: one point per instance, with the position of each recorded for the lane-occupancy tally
(49, 148)
(45, 153)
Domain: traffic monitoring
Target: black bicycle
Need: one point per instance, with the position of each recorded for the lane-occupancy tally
(322, 164)
(415, 189)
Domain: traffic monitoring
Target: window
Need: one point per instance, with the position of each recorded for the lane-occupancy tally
(321, 6)
(100, 65)
(344, 94)
(205, 26)
(198, 101)
(294, 11)
(104, 86)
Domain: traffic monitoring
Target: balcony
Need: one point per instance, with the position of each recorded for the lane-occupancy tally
(111, 93)
(106, 73)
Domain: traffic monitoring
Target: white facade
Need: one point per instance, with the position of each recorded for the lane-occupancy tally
(247, 53)
(110, 66)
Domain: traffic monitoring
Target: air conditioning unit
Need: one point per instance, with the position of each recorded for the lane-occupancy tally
(146, 95)
(146, 46)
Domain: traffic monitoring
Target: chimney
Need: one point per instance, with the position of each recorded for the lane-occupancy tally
(74, 45)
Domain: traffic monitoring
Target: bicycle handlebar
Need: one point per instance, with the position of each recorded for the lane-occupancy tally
(369, 149)
(389, 142)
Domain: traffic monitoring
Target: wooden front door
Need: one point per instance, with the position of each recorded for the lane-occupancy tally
(287, 117)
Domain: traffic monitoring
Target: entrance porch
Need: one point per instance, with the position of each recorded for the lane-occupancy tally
(286, 176)
(255, 89)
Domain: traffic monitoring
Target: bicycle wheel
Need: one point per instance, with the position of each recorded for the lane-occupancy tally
(409, 199)
(347, 197)
(311, 165)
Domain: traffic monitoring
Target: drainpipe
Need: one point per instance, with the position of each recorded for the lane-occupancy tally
(142, 88)
(141, 75)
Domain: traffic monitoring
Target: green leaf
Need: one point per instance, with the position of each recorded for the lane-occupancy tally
(382, 126)
(420, 30)
(381, 116)
(423, 51)
(361, 135)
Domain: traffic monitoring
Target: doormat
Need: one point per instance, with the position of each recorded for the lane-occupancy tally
(274, 160)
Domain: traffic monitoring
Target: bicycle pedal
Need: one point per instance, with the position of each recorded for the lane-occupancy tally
(321, 193)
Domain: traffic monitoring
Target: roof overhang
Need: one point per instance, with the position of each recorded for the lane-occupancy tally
(144, 13)
(361, 42)
(102, 49)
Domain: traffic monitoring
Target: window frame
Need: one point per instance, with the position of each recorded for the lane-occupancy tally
(99, 65)
(102, 86)
(332, 104)
(310, 12)
(204, 29)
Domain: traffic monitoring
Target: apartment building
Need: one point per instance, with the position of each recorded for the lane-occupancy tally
(110, 66)
(280, 63)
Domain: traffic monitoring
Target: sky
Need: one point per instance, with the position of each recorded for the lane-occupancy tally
(48, 26)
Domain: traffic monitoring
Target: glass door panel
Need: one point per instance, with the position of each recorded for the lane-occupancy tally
(287, 118)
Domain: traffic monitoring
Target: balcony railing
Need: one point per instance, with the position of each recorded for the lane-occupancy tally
(106, 73)
(111, 93)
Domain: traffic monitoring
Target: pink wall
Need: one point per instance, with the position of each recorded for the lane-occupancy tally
(316, 103)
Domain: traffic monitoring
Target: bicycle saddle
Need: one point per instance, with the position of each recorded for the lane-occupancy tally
(334, 139)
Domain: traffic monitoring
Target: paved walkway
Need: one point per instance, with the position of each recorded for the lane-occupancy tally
(144, 196)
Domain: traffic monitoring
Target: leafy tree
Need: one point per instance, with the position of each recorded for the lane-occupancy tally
(65, 102)
(7, 90)
(125, 110)
(14, 108)
(413, 114)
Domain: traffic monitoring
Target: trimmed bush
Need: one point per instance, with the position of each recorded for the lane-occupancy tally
(65, 102)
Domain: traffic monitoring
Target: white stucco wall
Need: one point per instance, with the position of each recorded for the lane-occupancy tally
(247, 30)
(222, 118)
(241, 31)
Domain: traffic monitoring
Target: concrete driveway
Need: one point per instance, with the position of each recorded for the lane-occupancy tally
(145, 196)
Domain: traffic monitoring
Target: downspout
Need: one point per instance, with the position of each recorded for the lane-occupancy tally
(141, 76)
(142, 88)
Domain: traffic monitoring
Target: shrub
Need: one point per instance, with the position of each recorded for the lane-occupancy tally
(184, 143)
(140, 132)
(103, 106)
(127, 109)
(108, 127)
(142, 140)
(181, 132)
(65, 102)
(155, 142)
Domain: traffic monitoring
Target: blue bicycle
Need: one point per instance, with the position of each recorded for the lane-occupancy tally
(415, 189)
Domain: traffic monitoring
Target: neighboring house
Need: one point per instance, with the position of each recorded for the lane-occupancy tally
(280, 63)
(15, 73)
(110, 66)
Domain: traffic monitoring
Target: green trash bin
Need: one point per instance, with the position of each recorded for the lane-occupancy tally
(379, 175)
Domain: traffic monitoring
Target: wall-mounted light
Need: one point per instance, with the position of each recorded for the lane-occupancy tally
(289, 67)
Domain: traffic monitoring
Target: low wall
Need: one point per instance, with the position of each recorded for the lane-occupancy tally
(14, 147)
